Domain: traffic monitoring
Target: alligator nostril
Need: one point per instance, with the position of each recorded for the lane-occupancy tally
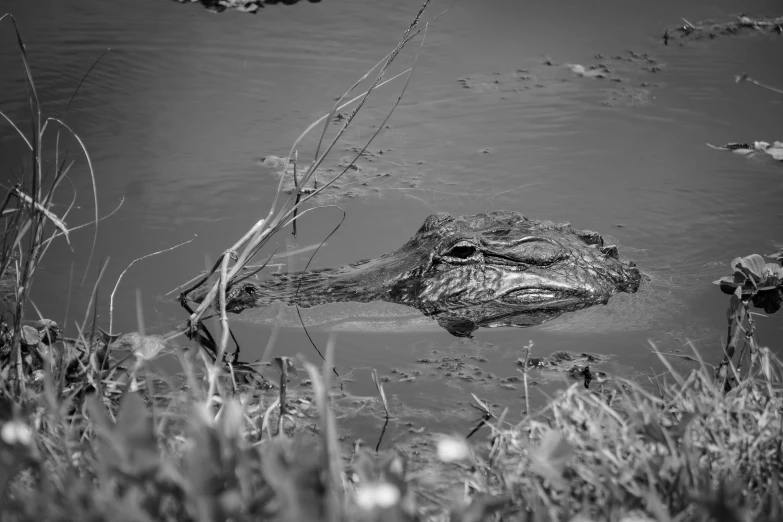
(590, 237)
(610, 251)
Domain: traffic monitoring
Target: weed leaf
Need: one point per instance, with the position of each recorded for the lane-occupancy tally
(550, 458)
(134, 434)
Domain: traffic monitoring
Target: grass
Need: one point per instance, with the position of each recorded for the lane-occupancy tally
(689, 452)
(90, 431)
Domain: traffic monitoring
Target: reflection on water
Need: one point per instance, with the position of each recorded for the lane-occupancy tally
(176, 115)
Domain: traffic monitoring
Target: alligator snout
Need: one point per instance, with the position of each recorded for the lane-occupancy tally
(630, 277)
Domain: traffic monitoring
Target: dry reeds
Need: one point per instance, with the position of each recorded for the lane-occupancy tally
(231, 264)
(28, 223)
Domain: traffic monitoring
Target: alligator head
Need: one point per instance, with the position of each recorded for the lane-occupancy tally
(493, 269)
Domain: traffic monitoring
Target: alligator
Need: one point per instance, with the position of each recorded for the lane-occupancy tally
(487, 270)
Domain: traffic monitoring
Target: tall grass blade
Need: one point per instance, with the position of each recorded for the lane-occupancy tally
(94, 192)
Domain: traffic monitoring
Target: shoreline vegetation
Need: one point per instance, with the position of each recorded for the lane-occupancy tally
(90, 431)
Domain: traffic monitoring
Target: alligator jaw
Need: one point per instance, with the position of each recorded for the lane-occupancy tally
(537, 297)
(532, 290)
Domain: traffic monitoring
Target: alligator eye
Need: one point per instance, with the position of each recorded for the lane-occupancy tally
(462, 251)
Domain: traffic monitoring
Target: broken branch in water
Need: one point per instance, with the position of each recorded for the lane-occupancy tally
(745, 78)
(234, 260)
(258, 234)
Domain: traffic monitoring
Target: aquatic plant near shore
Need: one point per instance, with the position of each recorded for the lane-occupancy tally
(754, 282)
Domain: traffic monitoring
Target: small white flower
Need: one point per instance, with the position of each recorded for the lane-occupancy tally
(76, 458)
(453, 449)
(16, 432)
(377, 495)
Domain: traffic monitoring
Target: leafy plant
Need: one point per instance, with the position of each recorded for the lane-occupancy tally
(777, 256)
(755, 280)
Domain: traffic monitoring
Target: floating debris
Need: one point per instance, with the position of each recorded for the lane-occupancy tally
(751, 149)
(709, 29)
(243, 6)
(621, 68)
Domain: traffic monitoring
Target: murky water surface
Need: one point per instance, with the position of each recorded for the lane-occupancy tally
(176, 116)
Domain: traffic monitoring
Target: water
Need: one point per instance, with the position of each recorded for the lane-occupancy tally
(176, 115)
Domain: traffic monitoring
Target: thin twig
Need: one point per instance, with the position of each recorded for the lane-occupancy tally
(54, 219)
(94, 190)
(83, 225)
(379, 387)
(117, 284)
(529, 348)
(282, 363)
(745, 78)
